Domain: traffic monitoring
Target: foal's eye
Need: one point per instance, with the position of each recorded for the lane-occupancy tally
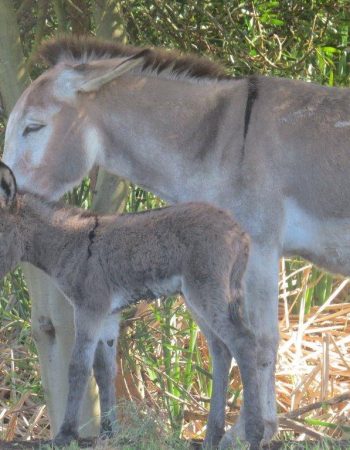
(31, 128)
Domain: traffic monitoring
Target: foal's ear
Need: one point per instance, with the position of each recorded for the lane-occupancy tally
(94, 80)
(8, 186)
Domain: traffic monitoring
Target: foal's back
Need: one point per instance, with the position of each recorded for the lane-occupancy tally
(163, 244)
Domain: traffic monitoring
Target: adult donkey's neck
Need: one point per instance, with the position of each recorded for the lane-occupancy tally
(171, 136)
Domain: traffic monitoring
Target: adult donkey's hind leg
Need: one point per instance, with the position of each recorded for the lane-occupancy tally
(105, 368)
(87, 331)
(261, 300)
(216, 309)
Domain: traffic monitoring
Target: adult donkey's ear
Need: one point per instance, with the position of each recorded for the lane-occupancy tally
(8, 186)
(94, 81)
(91, 76)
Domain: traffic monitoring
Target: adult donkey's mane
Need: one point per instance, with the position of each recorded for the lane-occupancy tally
(159, 61)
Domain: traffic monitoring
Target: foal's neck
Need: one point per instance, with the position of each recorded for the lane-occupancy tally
(48, 232)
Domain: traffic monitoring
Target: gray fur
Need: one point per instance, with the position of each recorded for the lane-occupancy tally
(102, 263)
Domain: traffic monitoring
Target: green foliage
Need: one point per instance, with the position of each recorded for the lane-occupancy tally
(14, 299)
(80, 196)
(303, 39)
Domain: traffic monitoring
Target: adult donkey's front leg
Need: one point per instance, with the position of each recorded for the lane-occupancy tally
(261, 287)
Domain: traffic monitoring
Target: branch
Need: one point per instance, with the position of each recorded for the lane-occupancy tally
(299, 428)
(332, 401)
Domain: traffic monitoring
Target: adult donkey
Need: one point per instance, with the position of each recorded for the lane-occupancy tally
(273, 151)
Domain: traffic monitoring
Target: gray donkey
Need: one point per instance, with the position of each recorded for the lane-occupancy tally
(104, 263)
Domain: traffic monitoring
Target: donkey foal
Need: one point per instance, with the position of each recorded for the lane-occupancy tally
(104, 263)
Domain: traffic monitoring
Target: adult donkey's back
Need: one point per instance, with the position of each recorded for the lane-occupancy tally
(273, 151)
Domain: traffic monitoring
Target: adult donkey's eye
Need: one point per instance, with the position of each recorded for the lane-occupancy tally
(31, 128)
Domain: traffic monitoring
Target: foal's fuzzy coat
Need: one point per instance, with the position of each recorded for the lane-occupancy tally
(104, 263)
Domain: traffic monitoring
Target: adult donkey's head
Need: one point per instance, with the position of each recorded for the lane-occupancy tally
(95, 104)
(51, 142)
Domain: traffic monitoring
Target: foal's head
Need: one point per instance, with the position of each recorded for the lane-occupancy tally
(10, 247)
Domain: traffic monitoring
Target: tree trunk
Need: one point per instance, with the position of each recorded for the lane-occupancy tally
(52, 315)
(108, 20)
(13, 74)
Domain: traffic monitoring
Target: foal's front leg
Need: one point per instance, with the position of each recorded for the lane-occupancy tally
(105, 368)
(221, 363)
(87, 332)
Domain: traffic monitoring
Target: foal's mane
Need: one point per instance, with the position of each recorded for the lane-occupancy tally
(83, 49)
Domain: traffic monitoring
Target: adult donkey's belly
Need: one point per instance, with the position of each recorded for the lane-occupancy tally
(323, 241)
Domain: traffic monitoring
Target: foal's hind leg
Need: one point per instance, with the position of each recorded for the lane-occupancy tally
(87, 331)
(105, 368)
(221, 362)
(242, 344)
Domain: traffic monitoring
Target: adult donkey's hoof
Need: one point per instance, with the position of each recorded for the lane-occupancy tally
(231, 441)
(235, 437)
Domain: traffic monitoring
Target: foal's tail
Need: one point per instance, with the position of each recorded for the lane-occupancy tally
(236, 304)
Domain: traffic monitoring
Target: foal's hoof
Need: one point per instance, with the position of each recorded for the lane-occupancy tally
(108, 427)
(106, 434)
(213, 437)
(231, 443)
(64, 438)
(270, 429)
(234, 438)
